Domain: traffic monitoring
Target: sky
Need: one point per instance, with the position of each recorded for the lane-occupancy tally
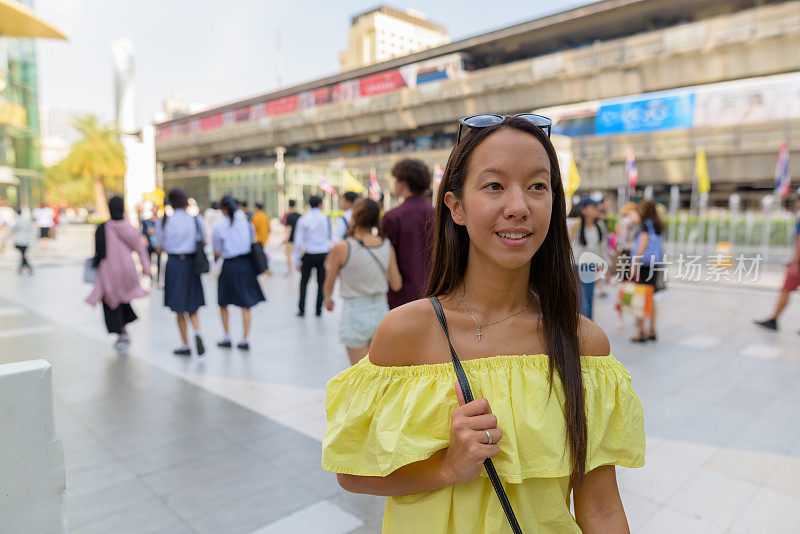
(214, 52)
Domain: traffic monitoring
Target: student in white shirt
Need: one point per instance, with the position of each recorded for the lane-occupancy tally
(183, 290)
(238, 282)
(311, 246)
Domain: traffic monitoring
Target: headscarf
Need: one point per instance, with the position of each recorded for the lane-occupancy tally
(116, 207)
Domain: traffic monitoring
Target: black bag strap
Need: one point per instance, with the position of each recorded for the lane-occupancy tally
(467, 391)
(383, 267)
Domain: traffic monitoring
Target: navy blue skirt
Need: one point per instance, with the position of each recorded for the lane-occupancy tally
(183, 290)
(237, 284)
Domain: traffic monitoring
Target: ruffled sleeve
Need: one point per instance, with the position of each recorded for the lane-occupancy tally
(382, 418)
(614, 414)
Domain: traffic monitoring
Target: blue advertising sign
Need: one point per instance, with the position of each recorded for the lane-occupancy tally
(645, 115)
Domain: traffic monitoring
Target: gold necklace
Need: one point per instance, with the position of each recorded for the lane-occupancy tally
(479, 333)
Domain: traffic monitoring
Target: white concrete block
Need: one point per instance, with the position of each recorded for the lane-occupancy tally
(32, 478)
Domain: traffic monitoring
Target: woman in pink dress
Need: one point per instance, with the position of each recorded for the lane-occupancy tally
(117, 280)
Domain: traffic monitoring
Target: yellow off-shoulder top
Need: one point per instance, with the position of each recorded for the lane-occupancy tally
(382, 418)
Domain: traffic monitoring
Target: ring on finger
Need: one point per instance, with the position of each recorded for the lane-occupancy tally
(489, 436)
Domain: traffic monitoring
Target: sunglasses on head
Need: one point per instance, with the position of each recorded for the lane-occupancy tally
(485, 120)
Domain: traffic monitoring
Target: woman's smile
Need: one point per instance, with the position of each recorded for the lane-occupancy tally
(514, 237)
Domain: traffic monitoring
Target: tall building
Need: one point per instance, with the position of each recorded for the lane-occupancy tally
(137, 142)
(125, 104)
(20, 160)
(385, 32)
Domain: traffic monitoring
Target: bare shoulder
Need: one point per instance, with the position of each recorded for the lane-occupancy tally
(340, 250)
(403, 337)
(592, 339)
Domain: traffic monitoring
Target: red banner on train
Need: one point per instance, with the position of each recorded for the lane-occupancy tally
(381, 83)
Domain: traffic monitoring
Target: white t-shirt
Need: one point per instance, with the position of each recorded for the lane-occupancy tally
(44, 217)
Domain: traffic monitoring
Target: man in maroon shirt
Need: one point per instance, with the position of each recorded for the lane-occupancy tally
(409, 227)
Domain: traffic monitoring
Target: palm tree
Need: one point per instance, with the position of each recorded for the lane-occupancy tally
(98, 157)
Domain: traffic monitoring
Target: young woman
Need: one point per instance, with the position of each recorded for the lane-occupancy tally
(553, 408)
(647, 254)
(587, 234)
(367, 266)
(117, 281)
(238, 282)
(177, 235)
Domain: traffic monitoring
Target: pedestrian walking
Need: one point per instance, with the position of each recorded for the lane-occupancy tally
(366, 266)
(44, 216)
(342, 226)
(289, 222)
(245, 209)
(21, 233)
(311, 246)
(149, 225)
(556, 410)
(603, 206)
(409, 227)
(238, 283)
(117, 282)
(212, 216)
(590, 249)
(178, 235)
(261, 223)
(791, 280)
(646, 261)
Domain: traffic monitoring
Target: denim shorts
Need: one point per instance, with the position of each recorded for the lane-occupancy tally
(360, 319)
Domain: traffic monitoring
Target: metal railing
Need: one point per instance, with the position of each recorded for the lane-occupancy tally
(750, 234)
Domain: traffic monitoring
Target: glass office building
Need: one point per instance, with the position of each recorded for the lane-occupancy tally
(20, 155)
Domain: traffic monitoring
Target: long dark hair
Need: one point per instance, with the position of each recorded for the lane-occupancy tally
(228, 205)
(552, 277)
(582, 231)
(647, 210)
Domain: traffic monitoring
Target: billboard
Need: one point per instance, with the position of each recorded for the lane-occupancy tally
(645, 114)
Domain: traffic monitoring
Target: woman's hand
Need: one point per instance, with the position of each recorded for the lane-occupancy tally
(329, 304)
(468, 440)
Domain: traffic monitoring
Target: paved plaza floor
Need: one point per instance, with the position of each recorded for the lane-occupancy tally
(230, 443)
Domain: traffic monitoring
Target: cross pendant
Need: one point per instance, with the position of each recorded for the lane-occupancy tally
(479, 334)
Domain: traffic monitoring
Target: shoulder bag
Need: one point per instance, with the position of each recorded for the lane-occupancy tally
(257, 254)
(467, 391)
(201, 265)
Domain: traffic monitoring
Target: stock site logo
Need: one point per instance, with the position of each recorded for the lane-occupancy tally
(591, 267)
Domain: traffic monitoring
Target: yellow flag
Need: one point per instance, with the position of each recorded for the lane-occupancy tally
(701, 171)
(574, 179)
(351, 184)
